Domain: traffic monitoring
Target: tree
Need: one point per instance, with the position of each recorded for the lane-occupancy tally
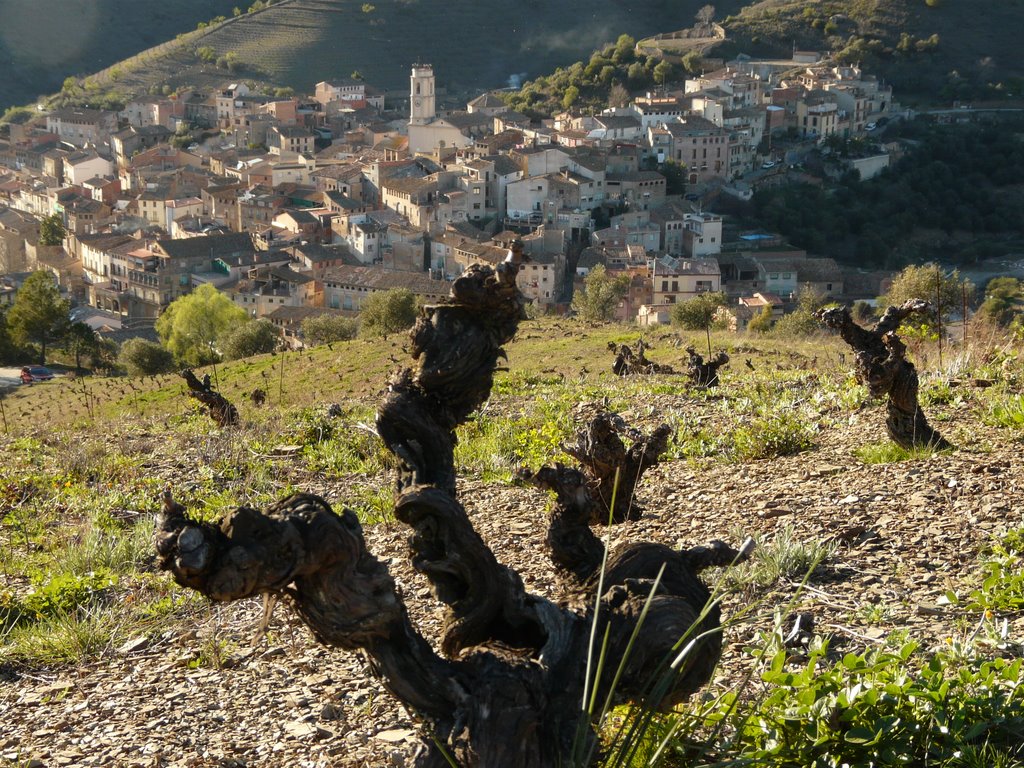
(944, 291)
(802, 321)
(618, 96)
(601, 295)
(80, 339)
(9, 352)
(51, 230)
(323, 329)
(193, 325)
(1002, 301)
(662, 72)
(763, 322)
(675, 177)
(145, 358)
(571, 96)
(705, 15)
(862, 312)
(386, 312)
(39, 314)
(253, 338)
(693, 62)
(698, 313)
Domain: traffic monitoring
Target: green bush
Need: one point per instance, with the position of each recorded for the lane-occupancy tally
(254, 338)
(779, 433)
(145, 358)
(324, 329)
(887, 707)
(386, 312)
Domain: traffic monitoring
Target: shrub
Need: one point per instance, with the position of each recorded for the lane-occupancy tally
(763, 322)
(387, 312)
(325, 329)
(697, 313)
(254, 338)
(145, 358)
(601, 295)
(798, 323)
(780, 433)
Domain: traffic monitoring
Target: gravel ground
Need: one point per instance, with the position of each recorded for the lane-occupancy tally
(904, 533)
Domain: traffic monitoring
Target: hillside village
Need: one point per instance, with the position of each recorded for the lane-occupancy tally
(301, 206)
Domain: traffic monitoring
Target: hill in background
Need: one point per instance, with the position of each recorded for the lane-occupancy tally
(44, 41)
(933, 50)
(472, 45)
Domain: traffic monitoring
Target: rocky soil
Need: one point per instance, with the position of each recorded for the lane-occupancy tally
(209, 694)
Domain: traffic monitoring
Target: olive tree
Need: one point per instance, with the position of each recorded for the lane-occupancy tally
(944, 290)
(386, 312)
(144, 358)
(323, 329)
(698, 313)
(253, 338)
(601, 295)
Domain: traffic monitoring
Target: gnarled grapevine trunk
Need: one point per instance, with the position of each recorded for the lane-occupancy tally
(630, 361)
(220, 410)
(881, 365)
(505, 687)
(701, 373)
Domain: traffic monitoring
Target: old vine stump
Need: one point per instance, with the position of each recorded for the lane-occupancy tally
(632, 361)
(880, 364)
(701, 373)
(220, 410)
(503, 688)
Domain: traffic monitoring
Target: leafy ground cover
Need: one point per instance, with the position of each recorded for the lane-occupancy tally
(909, 565)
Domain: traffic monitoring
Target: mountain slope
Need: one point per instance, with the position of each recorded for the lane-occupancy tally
(472, 45)
(929, 49)
(44, 41)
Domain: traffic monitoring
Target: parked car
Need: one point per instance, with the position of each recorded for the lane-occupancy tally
(33, 373)
(768, 164)
(870, 126)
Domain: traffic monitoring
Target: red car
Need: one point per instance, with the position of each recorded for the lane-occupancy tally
(32, 373)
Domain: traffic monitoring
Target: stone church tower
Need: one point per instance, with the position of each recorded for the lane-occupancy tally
(421, 95)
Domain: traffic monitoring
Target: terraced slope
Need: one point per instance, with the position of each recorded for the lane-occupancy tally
(472, 45)
(44, 41)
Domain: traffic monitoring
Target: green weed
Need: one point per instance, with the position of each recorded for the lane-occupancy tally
(1006, 411)
(774, 434)
(61, 637)
(1002, 578)
(886, 707)
(890, 453)
(784, 557)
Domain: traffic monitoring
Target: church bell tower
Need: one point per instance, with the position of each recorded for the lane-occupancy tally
(421, 95)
